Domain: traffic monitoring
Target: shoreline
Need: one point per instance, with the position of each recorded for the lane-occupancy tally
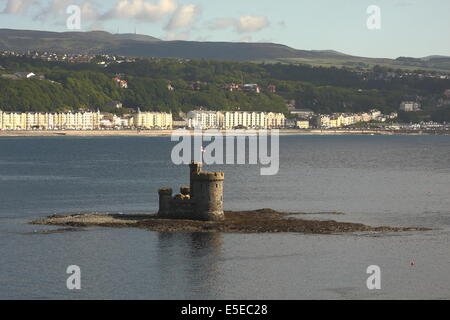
(256, 221)
(168, 133)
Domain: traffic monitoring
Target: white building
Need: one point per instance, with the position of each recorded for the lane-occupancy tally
(302, 113)
(253, 120)
(77, 120)
(13, 121)
(25, 75)
(323, 121)
(410, 106)
(50, 121)
(275, 120)
(303, 124)
(153, 120)
(204, 120)
(235, 119)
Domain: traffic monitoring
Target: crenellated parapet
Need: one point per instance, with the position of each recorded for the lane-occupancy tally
(209, 176)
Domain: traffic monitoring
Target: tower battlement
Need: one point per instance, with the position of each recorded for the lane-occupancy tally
(165, 191)
(212, 176)
(202, 200)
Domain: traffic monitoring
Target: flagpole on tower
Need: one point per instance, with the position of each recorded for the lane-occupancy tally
(202, 149)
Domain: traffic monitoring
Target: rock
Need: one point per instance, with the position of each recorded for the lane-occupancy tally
(256, 221)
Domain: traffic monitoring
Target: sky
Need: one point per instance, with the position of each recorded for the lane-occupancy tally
(413, 28)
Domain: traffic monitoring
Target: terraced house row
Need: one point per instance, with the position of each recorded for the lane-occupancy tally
(235, 119)
(85, 120)
(50, 121)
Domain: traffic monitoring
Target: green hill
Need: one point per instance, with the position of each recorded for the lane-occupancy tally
(146, 46)
(201, 83)
(96, 42)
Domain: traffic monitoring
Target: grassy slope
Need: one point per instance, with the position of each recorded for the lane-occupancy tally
(443, 65)
(138, 45)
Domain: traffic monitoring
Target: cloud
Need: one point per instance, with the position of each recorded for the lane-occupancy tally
(89, 10)
(55, 7)
(252, 24)
(265, 40)
(123, 9)
(141, 10)
(184, 17)
(244, 24)
(173, 36)
(58, 8)
(246, 39)
(17, 6)
(96, 26)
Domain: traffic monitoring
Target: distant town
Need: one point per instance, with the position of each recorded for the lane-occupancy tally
(303, 119)
(104, 59)
(113, 115)
(108, 59)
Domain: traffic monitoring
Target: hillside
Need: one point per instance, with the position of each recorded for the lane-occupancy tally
(146, 46)
(173, 85)
(96, 42)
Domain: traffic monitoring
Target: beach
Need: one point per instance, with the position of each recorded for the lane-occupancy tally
(168, 133)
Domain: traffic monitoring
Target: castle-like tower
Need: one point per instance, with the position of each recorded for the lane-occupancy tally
(202, 200)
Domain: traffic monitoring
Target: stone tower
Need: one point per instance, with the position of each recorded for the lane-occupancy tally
(195, 169)
(203, 200)
(207, 196)
(165, 199)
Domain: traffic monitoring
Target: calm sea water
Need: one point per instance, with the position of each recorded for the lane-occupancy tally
(376, 180)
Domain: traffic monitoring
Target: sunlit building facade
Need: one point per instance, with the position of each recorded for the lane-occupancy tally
(153, 120)
(235, 119)
(50, 121)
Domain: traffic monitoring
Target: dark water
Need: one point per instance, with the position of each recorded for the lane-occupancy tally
(397, 181)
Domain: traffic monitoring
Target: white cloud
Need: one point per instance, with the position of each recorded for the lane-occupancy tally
(57, 9)
(123, 9)
(245, 24)
(89, 10)
(17, 6)
(172, 36)
(184, 17)
(252, 24)
(265, 40)
(247, 39)
(96, 26)
(141, 10)
(179, 19)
